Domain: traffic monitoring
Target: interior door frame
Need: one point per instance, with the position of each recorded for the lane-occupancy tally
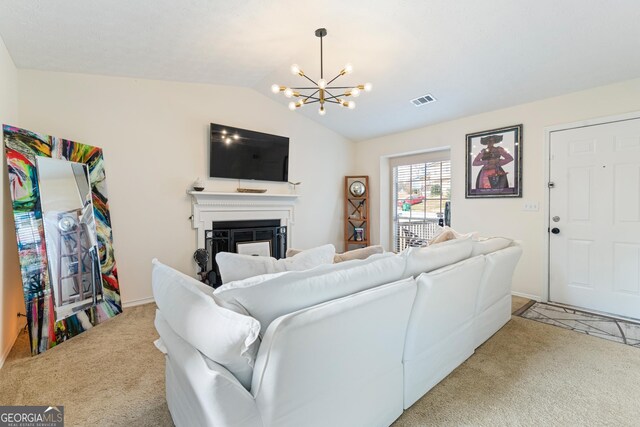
(546, 202)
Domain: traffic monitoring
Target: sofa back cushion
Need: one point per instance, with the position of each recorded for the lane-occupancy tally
(495, 283)
(249, 281)
(222, 335)
(423, 260)
(337, 363)
(238, 267)
(440, 334)
(268, 300)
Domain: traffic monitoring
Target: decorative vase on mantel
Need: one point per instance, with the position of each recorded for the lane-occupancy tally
(198, 185)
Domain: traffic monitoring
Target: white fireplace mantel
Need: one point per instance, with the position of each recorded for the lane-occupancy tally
(210, 206)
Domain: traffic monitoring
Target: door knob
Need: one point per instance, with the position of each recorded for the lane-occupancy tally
(555, 230)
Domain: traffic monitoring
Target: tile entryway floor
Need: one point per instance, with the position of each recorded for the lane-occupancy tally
(611, 329)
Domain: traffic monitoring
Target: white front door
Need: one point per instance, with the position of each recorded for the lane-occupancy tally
(594, 217)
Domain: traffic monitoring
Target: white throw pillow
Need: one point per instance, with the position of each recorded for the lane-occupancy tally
(297, 290)
(238, 267)
(423, 260)
(224, 336)
(488, 245)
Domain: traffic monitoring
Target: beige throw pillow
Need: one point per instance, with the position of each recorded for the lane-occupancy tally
(291, 252)
(445, 236)
(361, 253)
(447, 233)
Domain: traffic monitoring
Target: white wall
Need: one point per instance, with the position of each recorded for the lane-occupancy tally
(11, 298)
(155, 140)
(503, 217)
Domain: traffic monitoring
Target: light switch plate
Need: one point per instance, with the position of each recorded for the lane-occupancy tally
(531, 206)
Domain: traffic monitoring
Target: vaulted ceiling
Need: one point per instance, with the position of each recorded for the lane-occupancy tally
(473, 56)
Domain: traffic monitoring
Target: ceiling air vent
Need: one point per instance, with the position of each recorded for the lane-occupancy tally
(423, 100)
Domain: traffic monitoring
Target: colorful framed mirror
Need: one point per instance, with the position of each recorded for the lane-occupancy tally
(63, 230)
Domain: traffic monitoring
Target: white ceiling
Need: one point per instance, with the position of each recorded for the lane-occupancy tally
(473, 56)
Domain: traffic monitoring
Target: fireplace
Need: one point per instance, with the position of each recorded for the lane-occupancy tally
(224, 219)
(224, 236)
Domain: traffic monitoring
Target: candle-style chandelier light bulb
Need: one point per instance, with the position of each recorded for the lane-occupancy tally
(348, 69)
(295, 69)
(321, 90)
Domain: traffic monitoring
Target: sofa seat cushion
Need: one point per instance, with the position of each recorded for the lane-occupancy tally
(238, 267)
(268, 300)
(222, 335)
(424, 260)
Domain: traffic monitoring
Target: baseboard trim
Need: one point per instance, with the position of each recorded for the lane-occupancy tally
(4, 356)
(135, 302)
(523, 295)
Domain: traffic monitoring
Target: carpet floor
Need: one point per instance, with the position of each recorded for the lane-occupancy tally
(527, 374)
(111, 375)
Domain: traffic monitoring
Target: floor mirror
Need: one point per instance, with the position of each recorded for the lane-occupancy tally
(63, 231)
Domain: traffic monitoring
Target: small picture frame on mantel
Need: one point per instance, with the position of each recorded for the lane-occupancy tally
(257, 248)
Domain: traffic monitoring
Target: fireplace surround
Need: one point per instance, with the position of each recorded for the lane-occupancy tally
(221, 208)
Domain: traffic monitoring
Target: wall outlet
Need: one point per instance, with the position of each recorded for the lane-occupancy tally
(531, 206)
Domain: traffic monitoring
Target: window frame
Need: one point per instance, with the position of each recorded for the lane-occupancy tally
(440, 156)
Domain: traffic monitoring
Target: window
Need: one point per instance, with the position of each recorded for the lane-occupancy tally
(421, 189)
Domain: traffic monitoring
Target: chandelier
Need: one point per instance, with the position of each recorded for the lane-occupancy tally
(321, 91)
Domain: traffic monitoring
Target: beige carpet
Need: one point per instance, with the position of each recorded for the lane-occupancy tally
(111, 375)
(528, 374)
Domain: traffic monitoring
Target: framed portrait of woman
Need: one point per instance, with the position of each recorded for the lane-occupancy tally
(494, 163)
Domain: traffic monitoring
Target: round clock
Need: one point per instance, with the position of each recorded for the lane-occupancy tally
(67, 223)
(357, 188)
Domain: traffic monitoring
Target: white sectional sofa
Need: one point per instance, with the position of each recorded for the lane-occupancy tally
(350, 344)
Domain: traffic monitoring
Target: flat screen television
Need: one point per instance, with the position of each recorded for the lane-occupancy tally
(246, 154)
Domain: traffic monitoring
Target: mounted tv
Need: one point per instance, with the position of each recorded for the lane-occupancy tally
(246, 154)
